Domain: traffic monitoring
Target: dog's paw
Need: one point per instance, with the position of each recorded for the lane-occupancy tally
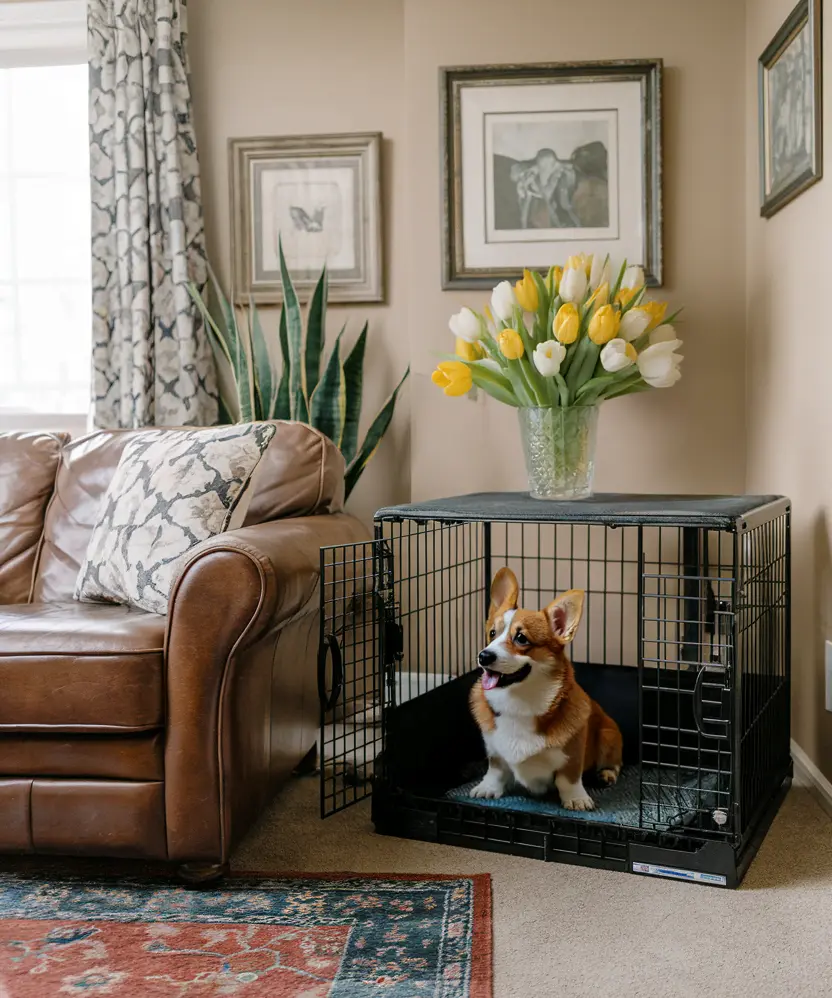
(608, 776)
(488, 789)
(579, 804)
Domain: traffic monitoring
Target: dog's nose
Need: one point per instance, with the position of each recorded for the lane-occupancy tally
(486, 658)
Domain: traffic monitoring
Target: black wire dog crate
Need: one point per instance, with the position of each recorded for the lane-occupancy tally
(684, 642)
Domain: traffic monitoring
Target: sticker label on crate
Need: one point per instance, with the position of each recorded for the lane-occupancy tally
(676, 873)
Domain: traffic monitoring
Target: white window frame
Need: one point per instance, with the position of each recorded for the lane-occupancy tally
(43, 33)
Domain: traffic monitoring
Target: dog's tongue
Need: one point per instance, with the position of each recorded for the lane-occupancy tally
(489, 679)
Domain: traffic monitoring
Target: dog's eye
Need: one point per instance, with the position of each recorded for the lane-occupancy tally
(492, 634)
(520, 638)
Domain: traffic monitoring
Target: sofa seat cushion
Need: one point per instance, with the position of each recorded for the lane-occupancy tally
(75, 667)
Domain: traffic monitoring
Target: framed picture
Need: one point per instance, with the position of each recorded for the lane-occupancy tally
(321, 195)
(543, 161)
(791, 121)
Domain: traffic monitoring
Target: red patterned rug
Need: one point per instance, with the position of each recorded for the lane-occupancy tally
(294, 936)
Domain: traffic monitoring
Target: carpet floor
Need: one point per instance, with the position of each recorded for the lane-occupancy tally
(581, 933)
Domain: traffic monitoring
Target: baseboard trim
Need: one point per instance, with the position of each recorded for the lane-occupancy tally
(809, 776)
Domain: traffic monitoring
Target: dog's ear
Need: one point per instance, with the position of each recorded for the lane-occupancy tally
(564, 615)
(504, 590)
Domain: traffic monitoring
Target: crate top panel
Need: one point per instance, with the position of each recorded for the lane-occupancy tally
(613, 509)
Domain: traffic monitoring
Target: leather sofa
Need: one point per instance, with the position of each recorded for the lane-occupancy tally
(129, 734)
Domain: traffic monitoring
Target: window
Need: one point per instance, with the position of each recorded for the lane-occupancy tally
(45, 293)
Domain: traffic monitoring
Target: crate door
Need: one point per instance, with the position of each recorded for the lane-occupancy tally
(356, 594)
(686, 677)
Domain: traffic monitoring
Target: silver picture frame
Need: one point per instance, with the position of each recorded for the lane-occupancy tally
(646, 74)
(790, 101)
(321, 194)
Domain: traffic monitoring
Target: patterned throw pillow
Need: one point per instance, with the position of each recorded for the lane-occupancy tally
(171, 490)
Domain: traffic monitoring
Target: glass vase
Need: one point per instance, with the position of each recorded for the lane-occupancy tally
(559, 446)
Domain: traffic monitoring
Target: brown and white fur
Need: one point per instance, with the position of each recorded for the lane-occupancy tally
(539, 727)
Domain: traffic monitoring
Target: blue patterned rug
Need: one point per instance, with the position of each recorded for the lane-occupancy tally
(323, 936)
(667, 800)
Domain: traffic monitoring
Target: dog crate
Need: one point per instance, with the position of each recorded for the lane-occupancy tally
(684, 642)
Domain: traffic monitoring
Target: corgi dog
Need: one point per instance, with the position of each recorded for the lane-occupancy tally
(539, 727)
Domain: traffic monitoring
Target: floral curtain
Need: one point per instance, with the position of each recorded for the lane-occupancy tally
(152, 360)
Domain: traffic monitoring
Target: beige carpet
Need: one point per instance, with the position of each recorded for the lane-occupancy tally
(568, 932)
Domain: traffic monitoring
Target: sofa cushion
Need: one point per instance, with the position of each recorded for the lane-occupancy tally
(302, 473)
(75, 667)
(171, 490)
(28, 465)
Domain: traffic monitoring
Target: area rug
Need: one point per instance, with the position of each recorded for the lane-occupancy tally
(293, 936)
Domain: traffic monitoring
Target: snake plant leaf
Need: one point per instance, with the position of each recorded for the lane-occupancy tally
(294, 331)
(282, 407)
(265, 380)
(229, 321)
(316, 333)
(239, 345)
(354, 377)
(328, 402)
(214, 330)
(371, 441)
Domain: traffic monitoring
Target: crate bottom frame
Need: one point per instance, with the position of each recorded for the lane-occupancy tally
(675, 855)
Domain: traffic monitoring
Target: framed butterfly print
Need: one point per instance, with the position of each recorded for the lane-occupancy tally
(320, 195)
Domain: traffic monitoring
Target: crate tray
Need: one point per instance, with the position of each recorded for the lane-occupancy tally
(619, 804)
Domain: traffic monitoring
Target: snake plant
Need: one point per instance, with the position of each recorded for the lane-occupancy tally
(326, 395)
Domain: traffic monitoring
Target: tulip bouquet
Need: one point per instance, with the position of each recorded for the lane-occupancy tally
(555, 347)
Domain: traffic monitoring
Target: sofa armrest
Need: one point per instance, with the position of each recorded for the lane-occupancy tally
(233, 596)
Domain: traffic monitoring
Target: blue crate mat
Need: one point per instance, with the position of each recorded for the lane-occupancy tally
(668, 800)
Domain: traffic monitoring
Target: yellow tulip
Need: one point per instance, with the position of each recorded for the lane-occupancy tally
(525, 292)
(567, 323)
(581, 261)
(469, 351)
(656, 310)
(603, 326)
(453, 376)
(557, 274)
(625, 296)
(631, 352)
(487, 313)
(600, 296)
(511, 345)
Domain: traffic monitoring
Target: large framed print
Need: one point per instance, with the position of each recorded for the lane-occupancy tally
(791, 121)
(320, 195)
(543, 161)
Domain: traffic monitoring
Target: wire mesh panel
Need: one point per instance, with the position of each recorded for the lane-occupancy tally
(762, 637)
(355, 604)
(551, 558)
(687, 678)
(437, 590)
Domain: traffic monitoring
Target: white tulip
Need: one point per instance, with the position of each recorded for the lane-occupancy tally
(465, 325)
(600, 272)
(659, 364)
(573, 284)
(548, 357)
(617, 355)
(663, 334)
(633, 324)
(503, 301)
(633, 278)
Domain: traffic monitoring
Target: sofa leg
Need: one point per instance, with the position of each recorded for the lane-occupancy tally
(201, 873)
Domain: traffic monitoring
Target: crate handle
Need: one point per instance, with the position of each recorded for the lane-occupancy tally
(330, 644)
(697, 708)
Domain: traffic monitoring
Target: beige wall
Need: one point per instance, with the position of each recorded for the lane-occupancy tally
(263, 67)
(693, 437)
(789, 352)
(277, 67)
